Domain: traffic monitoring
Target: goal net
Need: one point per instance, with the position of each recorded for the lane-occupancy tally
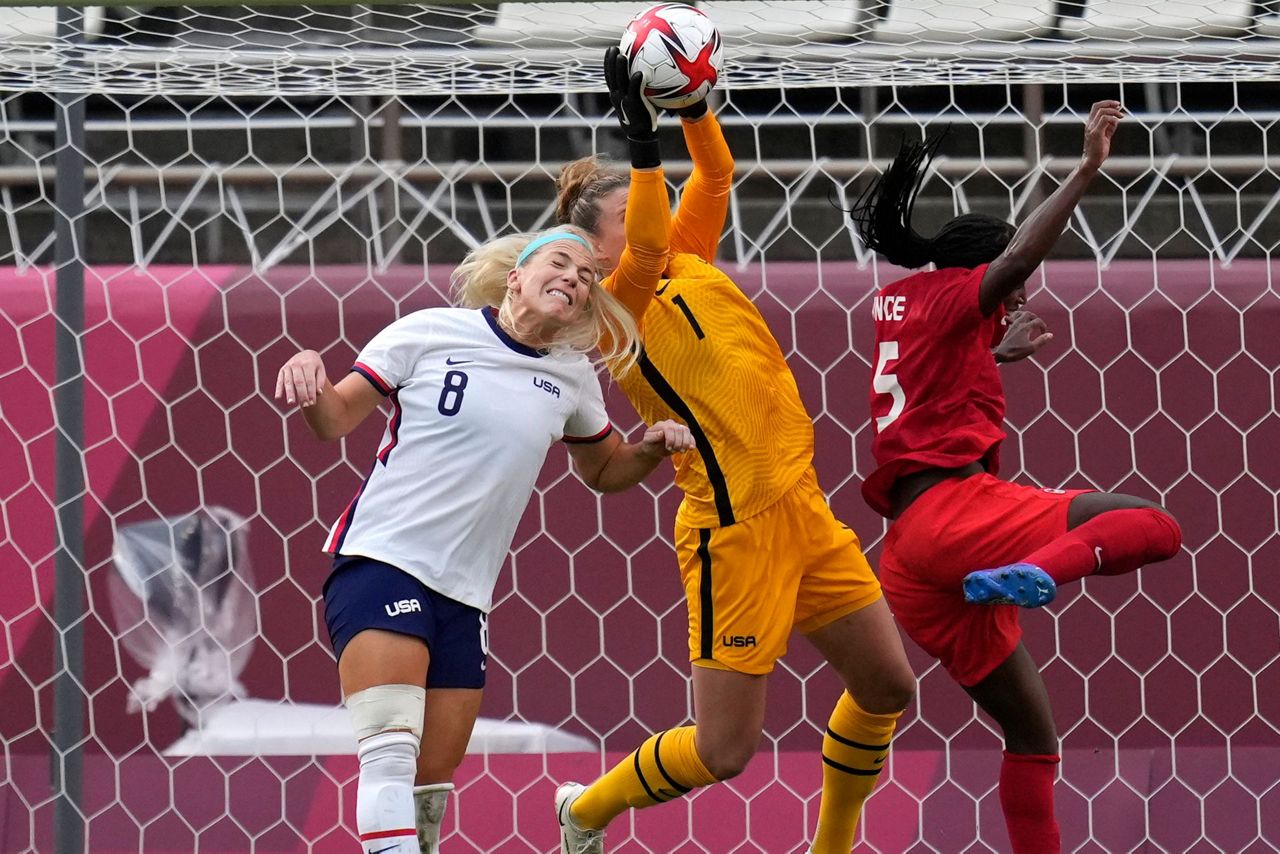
(514, 48)
(190, 195)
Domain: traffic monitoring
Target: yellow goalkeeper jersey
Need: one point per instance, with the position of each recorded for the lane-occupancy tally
(709, 359)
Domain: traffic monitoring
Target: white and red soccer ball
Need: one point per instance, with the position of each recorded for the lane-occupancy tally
(677, 50)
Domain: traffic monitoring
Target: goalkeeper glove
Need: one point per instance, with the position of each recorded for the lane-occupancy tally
(638, 118)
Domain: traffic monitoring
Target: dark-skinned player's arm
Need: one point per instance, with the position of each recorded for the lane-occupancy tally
(1025, 333)
(1036, 237)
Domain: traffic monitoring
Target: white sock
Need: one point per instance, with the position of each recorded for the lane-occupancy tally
(384, 799)
(430, 802)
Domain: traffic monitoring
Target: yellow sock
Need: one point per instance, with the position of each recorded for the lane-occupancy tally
(666, 766)
(853, 752)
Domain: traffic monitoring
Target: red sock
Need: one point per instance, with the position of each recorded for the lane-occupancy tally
(1026, 796)
(1110, 543)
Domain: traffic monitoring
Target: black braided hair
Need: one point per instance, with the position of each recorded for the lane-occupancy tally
(970, 240)
(882, 215)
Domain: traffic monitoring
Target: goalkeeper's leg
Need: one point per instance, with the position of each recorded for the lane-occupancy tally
(730, 717)
(865, 649)
(741, 598)
(841, 611)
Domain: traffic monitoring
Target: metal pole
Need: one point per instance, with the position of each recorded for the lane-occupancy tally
(868, 105)
(1032, 140)
(361, 144)
(68, 401)
(392, 155)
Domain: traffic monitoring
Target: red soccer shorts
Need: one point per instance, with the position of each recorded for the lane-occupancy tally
(954, 528)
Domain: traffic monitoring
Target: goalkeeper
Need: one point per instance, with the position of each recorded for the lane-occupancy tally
(759, 550)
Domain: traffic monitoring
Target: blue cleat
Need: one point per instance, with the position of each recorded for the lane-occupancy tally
(1021, 584)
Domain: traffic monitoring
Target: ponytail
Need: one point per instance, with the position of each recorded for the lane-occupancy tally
(581, 186)
(882, 215)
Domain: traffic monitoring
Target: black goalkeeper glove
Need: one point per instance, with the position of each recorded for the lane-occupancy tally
(638, 118)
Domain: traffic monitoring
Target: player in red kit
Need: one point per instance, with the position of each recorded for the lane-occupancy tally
(965, 548)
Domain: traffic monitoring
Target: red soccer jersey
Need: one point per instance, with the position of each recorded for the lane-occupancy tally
(936, 396)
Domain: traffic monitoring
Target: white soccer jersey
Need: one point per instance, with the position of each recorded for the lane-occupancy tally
(474, 414)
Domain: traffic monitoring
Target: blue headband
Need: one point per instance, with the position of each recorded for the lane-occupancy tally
(539, 242)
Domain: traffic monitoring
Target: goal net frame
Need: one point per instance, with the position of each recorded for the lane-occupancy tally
(176, 214)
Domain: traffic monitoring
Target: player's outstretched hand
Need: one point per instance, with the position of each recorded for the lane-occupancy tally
(666, 438)
(635, 114)
(1026, 333)
(301, 379)
(1104, 116)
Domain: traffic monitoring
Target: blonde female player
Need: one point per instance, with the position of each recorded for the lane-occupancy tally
(478, 397)
(759, 550)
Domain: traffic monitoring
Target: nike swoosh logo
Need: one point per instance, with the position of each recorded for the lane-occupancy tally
(1097, 553)
(877, 760)
(659, 291)
(388, 848)
(453, 361)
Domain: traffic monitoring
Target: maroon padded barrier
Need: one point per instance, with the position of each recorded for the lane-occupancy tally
(1161, 383)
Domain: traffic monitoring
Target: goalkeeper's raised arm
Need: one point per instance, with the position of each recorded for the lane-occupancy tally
(704, 203)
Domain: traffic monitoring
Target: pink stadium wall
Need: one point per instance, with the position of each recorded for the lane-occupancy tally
(1143, 391)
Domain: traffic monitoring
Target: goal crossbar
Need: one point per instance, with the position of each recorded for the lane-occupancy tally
(229, 48)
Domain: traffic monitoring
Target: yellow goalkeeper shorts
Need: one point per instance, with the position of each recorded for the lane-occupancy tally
(749, 584)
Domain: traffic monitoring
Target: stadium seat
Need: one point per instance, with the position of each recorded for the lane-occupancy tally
(1269, 23)
(1167, 19)
(799, 22)
(548, 24)
(965, 20)
(600, 24)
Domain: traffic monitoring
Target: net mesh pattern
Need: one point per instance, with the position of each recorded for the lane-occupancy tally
(221, 233)
(554, 47)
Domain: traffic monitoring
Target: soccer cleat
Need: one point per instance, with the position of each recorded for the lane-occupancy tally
(574, 839)
(1021, 584)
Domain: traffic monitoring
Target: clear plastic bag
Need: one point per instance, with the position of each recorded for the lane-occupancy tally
(184, 603)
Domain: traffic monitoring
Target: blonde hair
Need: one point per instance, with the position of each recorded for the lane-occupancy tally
(481, 280)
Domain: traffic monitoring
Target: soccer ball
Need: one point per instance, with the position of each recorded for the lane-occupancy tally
(677, 50)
